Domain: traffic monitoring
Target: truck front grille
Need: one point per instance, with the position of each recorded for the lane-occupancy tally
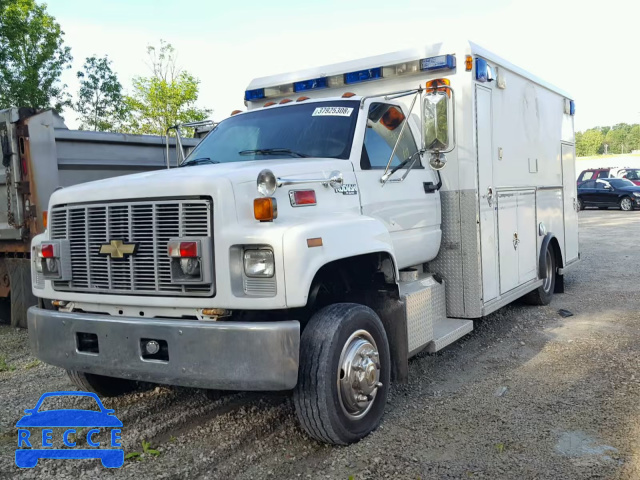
(150, 224)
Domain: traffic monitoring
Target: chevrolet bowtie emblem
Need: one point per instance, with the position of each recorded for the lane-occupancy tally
(118, 250)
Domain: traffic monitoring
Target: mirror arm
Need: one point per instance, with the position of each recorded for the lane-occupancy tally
(395, 147)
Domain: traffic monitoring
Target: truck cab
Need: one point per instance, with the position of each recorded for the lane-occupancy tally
(354, 216)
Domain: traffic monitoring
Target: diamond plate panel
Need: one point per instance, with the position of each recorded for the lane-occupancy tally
(458, 261)
(424, 305)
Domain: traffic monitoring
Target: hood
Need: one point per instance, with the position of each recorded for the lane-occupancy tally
(196, 180)
(635, 188)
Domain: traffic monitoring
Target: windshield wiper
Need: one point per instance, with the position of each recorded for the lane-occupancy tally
(273, 151)
(197, 161)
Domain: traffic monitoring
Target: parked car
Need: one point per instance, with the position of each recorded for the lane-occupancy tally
(632, 174)
(593, 174)
(609, 192)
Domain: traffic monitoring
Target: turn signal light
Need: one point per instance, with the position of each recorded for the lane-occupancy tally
(265, 209)
(47, 251)
(45, 218)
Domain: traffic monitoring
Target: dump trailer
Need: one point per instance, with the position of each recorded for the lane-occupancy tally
(39, 155)
(355, 215)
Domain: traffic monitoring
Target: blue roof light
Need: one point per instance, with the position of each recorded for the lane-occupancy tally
(440, 62)
(254, 94)
(363, 75)
(572, 107)
(481, 70)
(310, 84)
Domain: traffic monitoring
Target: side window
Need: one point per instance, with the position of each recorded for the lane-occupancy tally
(384, 123)
(601, 185)
(632, 175)
(604, 174)
(586, 176)
(589, 184)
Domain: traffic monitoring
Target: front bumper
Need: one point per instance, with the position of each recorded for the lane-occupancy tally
(217, 355)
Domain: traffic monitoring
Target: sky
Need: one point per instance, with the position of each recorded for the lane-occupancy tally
(588, 48)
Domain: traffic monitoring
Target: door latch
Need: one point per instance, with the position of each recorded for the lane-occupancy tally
(516, 241)
(489, 196)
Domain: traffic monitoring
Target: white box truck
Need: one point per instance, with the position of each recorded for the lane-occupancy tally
(356, 215)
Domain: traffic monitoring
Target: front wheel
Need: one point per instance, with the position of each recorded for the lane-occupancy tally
(580, 204)
(626, 204)
(102, 385)
(344, 374)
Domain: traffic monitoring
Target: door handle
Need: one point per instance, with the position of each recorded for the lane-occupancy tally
(429, 187)
(489, 196)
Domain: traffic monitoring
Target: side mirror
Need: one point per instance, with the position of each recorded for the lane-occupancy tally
(436, 122)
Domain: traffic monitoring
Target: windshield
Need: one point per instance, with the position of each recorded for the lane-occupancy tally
(620, 182)
(304, 130)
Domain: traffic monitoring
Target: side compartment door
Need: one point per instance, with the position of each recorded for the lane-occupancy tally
(526, 243)
(570, 199)
(486, 191)
(508, 240)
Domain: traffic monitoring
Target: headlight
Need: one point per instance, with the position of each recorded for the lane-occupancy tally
(259, 263)
(267, 183)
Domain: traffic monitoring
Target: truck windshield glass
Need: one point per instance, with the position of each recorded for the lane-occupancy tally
(319, 129)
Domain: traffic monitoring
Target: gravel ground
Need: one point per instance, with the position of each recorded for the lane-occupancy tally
(528, 394)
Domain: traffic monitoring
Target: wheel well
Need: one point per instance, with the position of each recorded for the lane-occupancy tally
(346, 277)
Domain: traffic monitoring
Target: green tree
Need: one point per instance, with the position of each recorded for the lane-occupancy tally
(589, 143)
(165, 98)
(633, 138)
(100, 104)
(32, 56)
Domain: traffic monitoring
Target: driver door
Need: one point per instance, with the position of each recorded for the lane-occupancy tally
(410, 209)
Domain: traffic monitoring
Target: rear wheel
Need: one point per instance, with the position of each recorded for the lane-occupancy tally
(344, 374)
(543, 294)
(102, 385)
(626, 204)
(580, 204)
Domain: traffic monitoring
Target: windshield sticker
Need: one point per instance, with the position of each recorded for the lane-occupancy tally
(332, 112)
(347, 189)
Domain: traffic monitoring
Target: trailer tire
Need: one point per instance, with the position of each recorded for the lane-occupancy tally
(102, 385)
(544, 293)
(342, 342)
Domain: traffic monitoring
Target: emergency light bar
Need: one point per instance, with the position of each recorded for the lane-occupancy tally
(431, 64)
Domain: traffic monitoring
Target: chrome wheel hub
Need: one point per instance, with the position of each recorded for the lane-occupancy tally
(625, 204)
(358, 374)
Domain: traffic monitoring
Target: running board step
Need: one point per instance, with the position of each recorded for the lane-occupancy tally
(448, 330)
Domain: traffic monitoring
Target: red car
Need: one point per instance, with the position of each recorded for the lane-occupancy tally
(632, 174)
(593, 174)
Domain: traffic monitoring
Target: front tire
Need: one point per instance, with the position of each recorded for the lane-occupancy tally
(102, 385)
(344, 374)
(580, 204)
(626, 204)
(544, 293)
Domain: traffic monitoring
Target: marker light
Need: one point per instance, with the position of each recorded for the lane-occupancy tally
(265, 209)
(468, 63)
(254, 94)
(47, 251)
(301, 198)
(235, 112)
(184, 249)
(363, 75)
(45, 218)
(285, 100)
(302, 99)
(310, 84)
(268, 104)
(348, 95)
(392, 118)
(482, 70)
(572, 107)
(439, 85)
(440, 62)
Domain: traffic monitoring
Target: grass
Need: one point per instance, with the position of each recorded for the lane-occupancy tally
(146, 450)
(32, 364)
(4, 366)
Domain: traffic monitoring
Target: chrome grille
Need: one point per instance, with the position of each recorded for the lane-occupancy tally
(150, 224)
